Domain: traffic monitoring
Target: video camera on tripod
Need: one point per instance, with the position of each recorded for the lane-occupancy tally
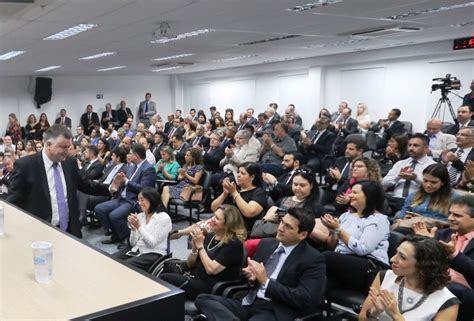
(447, 83)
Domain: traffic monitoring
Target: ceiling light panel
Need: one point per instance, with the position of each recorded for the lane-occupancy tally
(268, 40)
(235, 58)
(313, 5)
(11, 55)
(337, 43)
(100, 55)
(430, 11)
(48, 68)
(166, 39)
(111, 68)
(173, 57)
(167, 68)
(72, 31)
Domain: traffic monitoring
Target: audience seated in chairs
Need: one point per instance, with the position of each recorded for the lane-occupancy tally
(439, 141)
(406, 175)
(306, 195)
(245, 193)
(287, 277)
(396, 150)
(281, 187)
(149, 231)
(216, 256)
(458, 240)
(189, 175)
(386, 128)
(359, 239)
(456, 158)
(415, 287)
(464, 119)
(344, 127)
(317, 145)
(430, 203)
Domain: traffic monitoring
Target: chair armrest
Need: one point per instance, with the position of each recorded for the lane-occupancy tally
(233, 291)
(317, 316)
(220, 287)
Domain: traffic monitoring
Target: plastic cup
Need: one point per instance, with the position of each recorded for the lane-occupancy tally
(43, 261)
(2, 220)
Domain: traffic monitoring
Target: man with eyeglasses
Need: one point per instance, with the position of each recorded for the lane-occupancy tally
(456, 158)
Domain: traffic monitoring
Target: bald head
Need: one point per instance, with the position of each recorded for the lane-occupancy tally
(433, 126)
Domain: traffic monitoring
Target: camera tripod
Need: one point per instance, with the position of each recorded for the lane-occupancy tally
(444, 102)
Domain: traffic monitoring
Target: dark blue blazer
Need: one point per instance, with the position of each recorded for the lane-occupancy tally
(144, 177)
(300, 286)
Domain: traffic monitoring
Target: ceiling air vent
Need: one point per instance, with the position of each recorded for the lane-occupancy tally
(268, 40)
(385, 31)
(172, 64)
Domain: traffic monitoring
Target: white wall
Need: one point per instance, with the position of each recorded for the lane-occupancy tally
(74, 93)
(392, 78)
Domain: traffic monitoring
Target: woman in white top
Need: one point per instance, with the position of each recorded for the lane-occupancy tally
(415, 288)
(363, 117)
(150, 229)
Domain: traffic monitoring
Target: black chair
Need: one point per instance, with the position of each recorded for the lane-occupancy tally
(190, 204)
(408, 127)
(351, 300)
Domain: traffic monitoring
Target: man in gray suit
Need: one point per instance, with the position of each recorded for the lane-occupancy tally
(146, 109)
(439, 141)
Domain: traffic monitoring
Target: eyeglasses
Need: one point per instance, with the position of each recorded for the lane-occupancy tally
(306, 171)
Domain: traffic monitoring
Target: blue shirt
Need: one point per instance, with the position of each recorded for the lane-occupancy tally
(368, 236)
(422, 208)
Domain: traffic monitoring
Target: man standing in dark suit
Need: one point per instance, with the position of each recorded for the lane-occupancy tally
(316, 145)
(123, 113)
(46, 183)
(108, 116)
(89, 120)
(287, 274)
(464, 119)
(458, 241)
(113, 214)
(456, 158)
(63, 119)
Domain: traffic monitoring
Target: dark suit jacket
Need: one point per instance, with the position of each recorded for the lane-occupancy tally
(350, 128)
(282, 188)
(204, 142)
(93, 171)
(227, 143)
(212, 158)
(122, 115)
(156, 150)
(458, 164)
(67, 121)
(396, 128)
(108, 169)
(6, 180)
(144, 177)
(340, 163)
(454, 128)
(322, 147)
(179, 155)
(252, 121)
(300, 286)
(267, 128)
(105, 120)
(463, 262)
(29, 189)
(89, 125)
(178, 131)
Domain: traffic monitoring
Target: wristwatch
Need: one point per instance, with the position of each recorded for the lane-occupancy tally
(337, 230)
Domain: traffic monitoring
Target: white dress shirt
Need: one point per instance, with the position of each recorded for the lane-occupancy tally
(48, 167)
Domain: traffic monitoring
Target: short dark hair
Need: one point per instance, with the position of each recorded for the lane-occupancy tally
(213, 108)
(178, 137)
(283, 126)
(297, 156)
(160, 134)
(121, 153)
(152, 196)
(359, 143)
(465, 200)
(55, 131)
(249, 128)
(263, 115)
(374, 190)
(93, 149)
(397, 111)
(140, 150)
(423, 137)
(305, 218)
(192, 109)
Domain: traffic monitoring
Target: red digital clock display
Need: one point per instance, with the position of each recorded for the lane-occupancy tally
(463, 43)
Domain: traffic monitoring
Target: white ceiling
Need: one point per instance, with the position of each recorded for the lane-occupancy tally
(128, 26)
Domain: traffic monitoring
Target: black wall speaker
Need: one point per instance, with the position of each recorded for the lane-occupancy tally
(43, 90)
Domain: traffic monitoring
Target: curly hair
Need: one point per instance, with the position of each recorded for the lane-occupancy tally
(373, 169)
(431, 262)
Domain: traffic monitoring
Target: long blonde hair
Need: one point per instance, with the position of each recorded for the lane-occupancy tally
(234, 226)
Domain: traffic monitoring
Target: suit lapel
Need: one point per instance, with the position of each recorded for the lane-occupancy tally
(67, 170)
(44, 180)
(469, 247)
(293, 257)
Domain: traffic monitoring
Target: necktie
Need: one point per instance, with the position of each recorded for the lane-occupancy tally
(345, 171)
(61, 200)
(406, 186)
(196, 141)
(131, 172)
(270, 266)
(290, 177)
(111, 175)
(146, 106)
(315, 138)
(453, 172)
(89, 116)
(210, 149)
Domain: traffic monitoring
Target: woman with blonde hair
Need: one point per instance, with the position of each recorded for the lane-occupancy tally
(215, 257)
(363, 117)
